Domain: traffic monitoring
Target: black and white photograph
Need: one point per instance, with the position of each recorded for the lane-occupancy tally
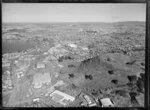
(73, 54)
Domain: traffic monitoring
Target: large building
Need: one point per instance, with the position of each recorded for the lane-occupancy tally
(61, 98)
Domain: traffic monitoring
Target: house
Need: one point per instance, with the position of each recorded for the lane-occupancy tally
(16, 61)
(20, 74)
(90, 102)
(84, 48)
(6, 64)
(92, 32)
(106, 102)
(72, 45)
(7, 72)
(93, 105)
(61, 98)
(56, 74)
(84, 103)
(87, 98)
(40, 65)
(36, 100)
(7, 84)
(45, 53)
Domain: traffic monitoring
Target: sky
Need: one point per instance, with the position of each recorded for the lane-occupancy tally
(73, 12)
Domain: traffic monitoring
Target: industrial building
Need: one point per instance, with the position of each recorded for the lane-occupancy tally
(62, 98)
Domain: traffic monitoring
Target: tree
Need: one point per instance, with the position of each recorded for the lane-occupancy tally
(133, 99)
(132, 78)
(108, 59)
(140, 86)
(131, 63)
(140, 83)
(129, 84)
(92, 45)
(142, 64)
(71, 65)
(111, 72)
(114, 81)
(121, 93)
(94, 92)
(74, 86)
(71, 75)
(89, 77)
(60, 59)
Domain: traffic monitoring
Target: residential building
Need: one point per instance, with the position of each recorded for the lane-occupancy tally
(36, 100)
(8, 73)
(20, 74)
(87, 98)
(92, 105)
(6, 64)
(40, 65)
(72, 45)
(84, 103)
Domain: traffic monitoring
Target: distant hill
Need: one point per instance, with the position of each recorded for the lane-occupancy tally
(120, 22)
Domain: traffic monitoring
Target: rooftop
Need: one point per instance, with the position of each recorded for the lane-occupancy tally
(40, 65)
(61, 97)
(106, 102)
(72, 45)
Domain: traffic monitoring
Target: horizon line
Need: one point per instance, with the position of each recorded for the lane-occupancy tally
(77, 22)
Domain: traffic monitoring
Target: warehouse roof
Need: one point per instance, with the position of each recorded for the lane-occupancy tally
(61, 97)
